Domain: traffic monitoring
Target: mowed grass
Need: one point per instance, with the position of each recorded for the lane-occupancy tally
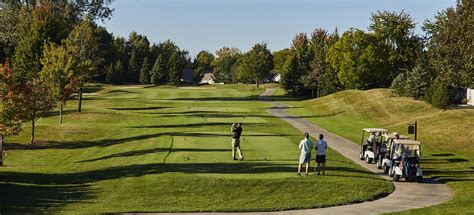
(167, 149)
(447, 136)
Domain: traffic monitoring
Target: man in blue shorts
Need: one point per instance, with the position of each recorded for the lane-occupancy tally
(321, 147)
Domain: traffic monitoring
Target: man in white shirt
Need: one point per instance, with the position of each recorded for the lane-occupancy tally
(305, 158)
(321, 147)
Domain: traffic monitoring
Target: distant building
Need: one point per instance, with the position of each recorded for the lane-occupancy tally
(276, 78)
(470, 96)
(208, 78)
(187, 76)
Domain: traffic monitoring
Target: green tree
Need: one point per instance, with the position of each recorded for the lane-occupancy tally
(116, 73)
(84, 46)
(176, 67)
(57, 74)
(202, 63)
(133, 68)
(413, 83)
(450, 44)
(225, 64)
(279, 59)
(145, 72)
(297, 66)
(159, 72)
(291, 79)
(9, 19)
(394, 33)
(257, 63)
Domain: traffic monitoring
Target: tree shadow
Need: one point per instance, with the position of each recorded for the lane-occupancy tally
(92, 88)
(191, 125)
(138, 170)
(138, 108)
(123, 91)
(22, 198)
(154, 150)
(116, 141)
(248, 98)
(444, 176)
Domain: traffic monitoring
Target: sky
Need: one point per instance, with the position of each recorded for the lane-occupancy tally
(197, 25)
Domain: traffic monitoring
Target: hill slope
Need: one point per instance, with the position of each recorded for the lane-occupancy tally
(447, 136)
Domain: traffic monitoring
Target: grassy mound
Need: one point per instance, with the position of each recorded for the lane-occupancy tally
(166, 149)
(447, 136)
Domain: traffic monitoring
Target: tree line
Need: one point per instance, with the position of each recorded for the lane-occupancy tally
(50, 49)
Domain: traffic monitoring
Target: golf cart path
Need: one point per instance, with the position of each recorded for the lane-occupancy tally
(406, 196)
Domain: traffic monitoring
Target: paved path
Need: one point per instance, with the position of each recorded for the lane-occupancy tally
(407, 195)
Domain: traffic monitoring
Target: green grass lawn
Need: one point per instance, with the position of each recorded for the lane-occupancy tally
(447, 136)
(166, 149)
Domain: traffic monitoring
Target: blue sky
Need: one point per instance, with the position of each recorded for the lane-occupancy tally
(211, 24)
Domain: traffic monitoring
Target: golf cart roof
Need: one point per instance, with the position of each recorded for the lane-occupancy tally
(392, 136)
(370, 130)
(407, 142)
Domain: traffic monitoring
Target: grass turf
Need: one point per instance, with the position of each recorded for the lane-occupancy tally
(166, 149)
(447, 136)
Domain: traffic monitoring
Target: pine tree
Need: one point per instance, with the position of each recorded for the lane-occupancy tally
(133, 68)
(158, 72)
(145, 72)
(175, 69)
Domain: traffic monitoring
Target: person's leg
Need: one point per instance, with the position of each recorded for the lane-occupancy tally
(319, 168)
(324, 168)
(299, 169)
(241, 155)
(307, 168)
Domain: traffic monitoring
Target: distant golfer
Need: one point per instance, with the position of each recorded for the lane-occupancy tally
(305, 158)
(321, 147)
(236, 130)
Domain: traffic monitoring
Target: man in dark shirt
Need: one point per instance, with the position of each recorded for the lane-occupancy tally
(236, 130)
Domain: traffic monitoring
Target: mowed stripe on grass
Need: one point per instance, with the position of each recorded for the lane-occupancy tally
(167, 149)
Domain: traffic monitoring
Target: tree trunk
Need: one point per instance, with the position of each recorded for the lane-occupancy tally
(312, 93)
(61, 114)
(79, 107)
(32, 131)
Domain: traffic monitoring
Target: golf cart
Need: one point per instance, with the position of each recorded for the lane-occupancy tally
(406, 155)
(369, 145)
(384, 161)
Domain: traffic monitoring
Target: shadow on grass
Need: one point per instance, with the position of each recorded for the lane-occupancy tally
(203, 99)
(117, 141)
(138, 170)
(123, 91)
(154, 150)
(15, 198)
(195, 125)
(138, 108)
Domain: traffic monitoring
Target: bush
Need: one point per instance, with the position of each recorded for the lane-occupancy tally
(438, 94)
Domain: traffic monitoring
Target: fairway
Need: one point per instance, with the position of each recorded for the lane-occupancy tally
(167, 149)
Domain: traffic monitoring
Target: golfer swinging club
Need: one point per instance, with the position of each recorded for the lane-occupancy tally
(236, 130)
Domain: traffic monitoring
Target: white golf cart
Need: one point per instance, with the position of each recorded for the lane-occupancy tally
(369, 145)
(384, 161)
(406, 155)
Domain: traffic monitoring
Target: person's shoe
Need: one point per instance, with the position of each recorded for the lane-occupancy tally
(319, 173)
(306, 174)
(298, 174)
(242, 158)
(235, 159)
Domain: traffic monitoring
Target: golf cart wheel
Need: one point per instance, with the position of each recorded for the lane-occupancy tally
(391, 172)
(396, 177)
(369, 160)
(385, 168)
(378, 165)
(420, 179)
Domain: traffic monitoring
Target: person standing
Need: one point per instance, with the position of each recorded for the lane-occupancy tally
(236, 130)
(305, 158)
(321, 147)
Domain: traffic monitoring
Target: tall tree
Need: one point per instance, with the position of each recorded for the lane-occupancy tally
(176, 67)
(225, 64)
(257, 63)
(279, 59)
(297, 66)
(83, 44)
(159, 72)
(133, 67)
(394, 32)
(202, 63)
(291, 78)
(57, 74)
(451, 44)
(145, 72)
